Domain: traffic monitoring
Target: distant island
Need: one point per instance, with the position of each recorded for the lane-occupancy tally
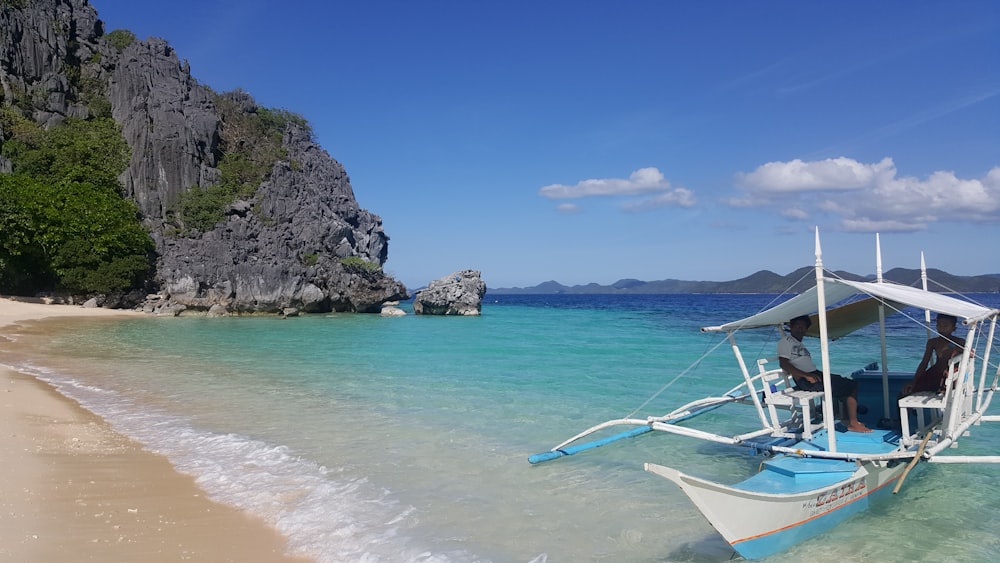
(763, 281)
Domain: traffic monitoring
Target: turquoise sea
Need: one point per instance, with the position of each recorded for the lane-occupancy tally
(374, 439)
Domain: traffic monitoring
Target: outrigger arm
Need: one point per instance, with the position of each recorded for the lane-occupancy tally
(662, 423)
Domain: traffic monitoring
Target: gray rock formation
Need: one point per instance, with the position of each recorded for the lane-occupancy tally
(391, 309)
(218, 310)
(284, 246)
(460, 293)
(38, 44)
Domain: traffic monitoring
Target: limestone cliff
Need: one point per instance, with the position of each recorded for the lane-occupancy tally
(297, 239)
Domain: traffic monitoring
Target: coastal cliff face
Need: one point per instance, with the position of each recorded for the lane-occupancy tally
(296, 238)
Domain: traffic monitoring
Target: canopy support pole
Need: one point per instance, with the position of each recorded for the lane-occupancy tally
(986, 364)
(886, 413)
(828, 420)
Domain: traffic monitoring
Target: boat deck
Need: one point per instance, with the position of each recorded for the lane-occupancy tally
(878, 441)
(785, 474)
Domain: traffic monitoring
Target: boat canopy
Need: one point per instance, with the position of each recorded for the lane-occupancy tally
(847, 318)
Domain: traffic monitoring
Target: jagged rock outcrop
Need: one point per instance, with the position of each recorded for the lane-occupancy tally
(168, 120)
(39, 42)
(460, 293)
(283, 246)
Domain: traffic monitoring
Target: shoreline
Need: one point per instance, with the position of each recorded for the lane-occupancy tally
(73, 488)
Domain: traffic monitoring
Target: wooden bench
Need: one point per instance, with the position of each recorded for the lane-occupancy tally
(780, 392)
(923, 400)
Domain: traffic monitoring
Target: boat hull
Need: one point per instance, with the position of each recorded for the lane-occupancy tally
(759, 524)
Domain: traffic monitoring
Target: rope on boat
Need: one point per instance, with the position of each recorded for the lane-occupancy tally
(703, 356)
(914, 461)
(674, 380)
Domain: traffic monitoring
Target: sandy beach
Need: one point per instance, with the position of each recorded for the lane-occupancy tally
(72, 489)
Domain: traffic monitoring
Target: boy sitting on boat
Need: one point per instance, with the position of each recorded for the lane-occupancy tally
(930, 375)
(795, 360)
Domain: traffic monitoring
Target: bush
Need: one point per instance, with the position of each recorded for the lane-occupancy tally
(356, 263)
(23, 263)
(64, 225)
(19, 131)
(121, 38)
(84, 150)
(72, 236)
(202, 208)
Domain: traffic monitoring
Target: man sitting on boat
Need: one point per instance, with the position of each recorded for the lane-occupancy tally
(795, 360)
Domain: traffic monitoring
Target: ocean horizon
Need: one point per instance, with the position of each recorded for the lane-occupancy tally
(368, 438)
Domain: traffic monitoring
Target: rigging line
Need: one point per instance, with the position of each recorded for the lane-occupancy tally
(712, 349)
(771, 342)
(950, 290)
(964, 296)
(674, 380)
(980, 337)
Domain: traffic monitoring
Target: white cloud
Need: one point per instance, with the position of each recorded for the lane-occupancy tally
(568, 208)
(869, 197)
(886, 226)
(643, 181)
(794, 213)
(830, 174)
(678, 197)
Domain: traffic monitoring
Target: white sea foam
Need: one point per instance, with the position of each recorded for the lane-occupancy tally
(326, 514)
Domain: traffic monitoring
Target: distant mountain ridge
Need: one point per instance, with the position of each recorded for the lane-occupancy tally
(764, 281)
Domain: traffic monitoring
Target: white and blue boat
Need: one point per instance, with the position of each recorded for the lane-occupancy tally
(816, 474)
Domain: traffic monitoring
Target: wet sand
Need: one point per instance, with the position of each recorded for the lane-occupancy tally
(72, 489)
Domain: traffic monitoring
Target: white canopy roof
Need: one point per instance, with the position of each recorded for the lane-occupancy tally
(837, 290)
(937, 302)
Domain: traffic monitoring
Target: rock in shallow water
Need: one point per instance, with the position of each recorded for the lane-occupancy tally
(460, 293)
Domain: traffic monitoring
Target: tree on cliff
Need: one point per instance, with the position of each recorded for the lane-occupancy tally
(63, 223)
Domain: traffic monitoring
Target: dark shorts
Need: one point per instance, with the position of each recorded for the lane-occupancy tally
(932, 379)
(842, 386)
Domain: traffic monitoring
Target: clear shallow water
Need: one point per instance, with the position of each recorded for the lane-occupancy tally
(406, 439)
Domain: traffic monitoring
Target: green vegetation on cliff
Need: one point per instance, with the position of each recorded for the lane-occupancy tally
(19, 4)
(64, 225)
(251, 146)
(360, 265)
(121, 38)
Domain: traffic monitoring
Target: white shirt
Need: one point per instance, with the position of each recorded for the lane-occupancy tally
(796, 352)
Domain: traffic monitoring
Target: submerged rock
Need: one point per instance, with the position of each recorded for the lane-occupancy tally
(460, 293)
(218, 310)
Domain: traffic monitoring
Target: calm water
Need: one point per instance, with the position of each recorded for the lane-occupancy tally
(365, 438)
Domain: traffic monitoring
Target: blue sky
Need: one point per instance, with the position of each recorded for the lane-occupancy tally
(584, 141)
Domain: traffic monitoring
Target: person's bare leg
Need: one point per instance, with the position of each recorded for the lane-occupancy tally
(852, 423)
